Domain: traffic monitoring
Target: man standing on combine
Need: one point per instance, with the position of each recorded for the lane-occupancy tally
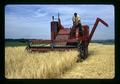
(77, 23)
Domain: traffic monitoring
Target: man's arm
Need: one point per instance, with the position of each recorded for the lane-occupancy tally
(78, 18)
(73, 19)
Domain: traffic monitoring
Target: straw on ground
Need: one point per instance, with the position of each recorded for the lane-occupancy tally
(21, 64)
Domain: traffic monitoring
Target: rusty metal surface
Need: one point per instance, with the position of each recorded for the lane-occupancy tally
(46, 49)
(40, 41)
(65, 31)
(61, 39)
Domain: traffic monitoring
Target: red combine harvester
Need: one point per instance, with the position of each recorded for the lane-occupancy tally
(65, 39)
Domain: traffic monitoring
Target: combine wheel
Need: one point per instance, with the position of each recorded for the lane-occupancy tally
(83, 51)
(28, 47)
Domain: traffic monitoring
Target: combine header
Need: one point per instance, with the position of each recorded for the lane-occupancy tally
(65, 39)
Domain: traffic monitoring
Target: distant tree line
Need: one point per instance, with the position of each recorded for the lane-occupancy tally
(26, 40)
(109, 41)
(16, 40)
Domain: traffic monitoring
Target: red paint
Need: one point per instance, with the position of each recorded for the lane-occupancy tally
(72, 35)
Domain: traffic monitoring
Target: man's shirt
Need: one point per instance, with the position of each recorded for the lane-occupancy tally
(76, 20)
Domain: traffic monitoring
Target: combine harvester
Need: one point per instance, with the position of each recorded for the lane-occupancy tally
(65, 39)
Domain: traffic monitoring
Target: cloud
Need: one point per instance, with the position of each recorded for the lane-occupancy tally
(33, 21)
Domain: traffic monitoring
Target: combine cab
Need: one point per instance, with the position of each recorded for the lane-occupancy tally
(65, 39)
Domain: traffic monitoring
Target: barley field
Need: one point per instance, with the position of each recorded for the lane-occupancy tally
(20, 64)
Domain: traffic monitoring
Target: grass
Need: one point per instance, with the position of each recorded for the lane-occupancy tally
(15, 44)
(21, 64)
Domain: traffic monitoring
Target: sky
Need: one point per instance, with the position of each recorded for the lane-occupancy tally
(33, 21)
